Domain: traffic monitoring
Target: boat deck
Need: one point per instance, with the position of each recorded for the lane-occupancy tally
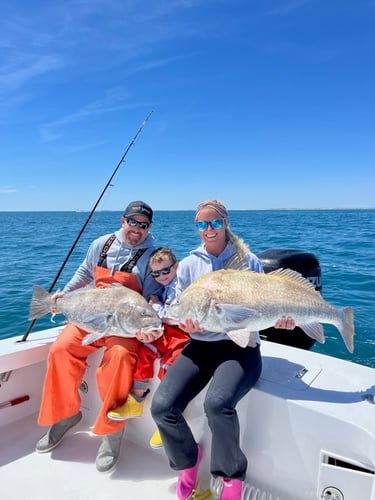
(69, 470)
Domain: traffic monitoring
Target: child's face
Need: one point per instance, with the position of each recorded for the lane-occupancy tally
(164, 265)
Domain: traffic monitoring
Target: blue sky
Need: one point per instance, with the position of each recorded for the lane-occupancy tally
(261, 103)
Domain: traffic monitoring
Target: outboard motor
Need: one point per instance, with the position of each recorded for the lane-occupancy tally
(304, 263)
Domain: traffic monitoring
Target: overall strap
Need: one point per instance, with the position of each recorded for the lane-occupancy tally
(128, 266)
(102, 262)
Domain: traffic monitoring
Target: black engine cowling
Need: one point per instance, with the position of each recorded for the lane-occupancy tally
(306, 264)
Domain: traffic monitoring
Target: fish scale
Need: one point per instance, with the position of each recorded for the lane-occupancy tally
(238, 302)
(113, 310)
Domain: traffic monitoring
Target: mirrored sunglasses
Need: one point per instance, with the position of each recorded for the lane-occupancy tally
(133, 223)
(165, 271)
(202, 225)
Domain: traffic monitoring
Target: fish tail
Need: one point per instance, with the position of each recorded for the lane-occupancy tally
(346, 327)
(40, 304)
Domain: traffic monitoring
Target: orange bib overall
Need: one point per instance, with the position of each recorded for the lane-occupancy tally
(67, 362)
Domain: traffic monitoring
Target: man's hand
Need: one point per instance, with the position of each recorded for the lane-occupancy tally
(54, 297)
(150, 335)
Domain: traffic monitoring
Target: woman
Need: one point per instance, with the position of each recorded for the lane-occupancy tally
(209, 357)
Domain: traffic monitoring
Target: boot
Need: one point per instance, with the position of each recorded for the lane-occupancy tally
(188, 478)
(232, 489)
(109, 451)
(132, 408)
(55, 434)
(156, 440)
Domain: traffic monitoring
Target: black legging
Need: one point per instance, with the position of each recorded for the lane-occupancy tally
(234, 371)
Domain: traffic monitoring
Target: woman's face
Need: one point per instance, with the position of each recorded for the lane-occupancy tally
(214, 239)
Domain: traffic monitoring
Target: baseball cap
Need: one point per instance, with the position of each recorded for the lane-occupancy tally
(138, 208)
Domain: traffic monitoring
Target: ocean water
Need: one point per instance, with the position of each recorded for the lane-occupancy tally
(34, 247)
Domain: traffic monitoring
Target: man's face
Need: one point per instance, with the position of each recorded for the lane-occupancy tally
(135, 229)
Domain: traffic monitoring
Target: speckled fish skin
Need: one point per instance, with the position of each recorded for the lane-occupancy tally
(233, 301)
(114, 310)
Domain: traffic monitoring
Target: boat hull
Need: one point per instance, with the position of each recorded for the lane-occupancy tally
(307, 429)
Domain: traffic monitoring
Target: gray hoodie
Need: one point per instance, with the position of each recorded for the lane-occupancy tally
(200, 262)
(118, 254)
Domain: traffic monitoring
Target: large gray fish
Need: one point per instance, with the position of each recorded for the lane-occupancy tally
(114, 310)
(238, 302)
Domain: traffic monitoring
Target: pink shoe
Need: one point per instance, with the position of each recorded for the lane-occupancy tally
(232, 489)
(188, 478)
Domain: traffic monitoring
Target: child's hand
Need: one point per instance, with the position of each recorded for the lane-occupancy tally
(154, 299)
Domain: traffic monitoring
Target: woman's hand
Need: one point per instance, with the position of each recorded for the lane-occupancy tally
(191, 326)
(285, 322)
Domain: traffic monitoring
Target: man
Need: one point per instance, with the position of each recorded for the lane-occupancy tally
(120, 257)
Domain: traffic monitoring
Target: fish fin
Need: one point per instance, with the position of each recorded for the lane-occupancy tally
(242, 337)
(92, 337)
(235, 262)
(293, 277)
(98, 322)
(233, 313)
(41, 302)
(315, 331)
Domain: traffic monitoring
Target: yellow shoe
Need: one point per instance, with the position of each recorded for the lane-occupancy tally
(131, 409)
(156, 440)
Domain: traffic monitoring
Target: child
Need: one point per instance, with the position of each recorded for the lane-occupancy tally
(163, 265)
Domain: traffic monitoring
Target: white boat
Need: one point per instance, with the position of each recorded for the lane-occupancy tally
(308, 430)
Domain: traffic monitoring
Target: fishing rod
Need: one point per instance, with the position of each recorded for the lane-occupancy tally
(26, 334)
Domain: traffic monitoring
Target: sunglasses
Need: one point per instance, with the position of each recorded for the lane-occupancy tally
(133, 223)
(202, 225)
(165, 271)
